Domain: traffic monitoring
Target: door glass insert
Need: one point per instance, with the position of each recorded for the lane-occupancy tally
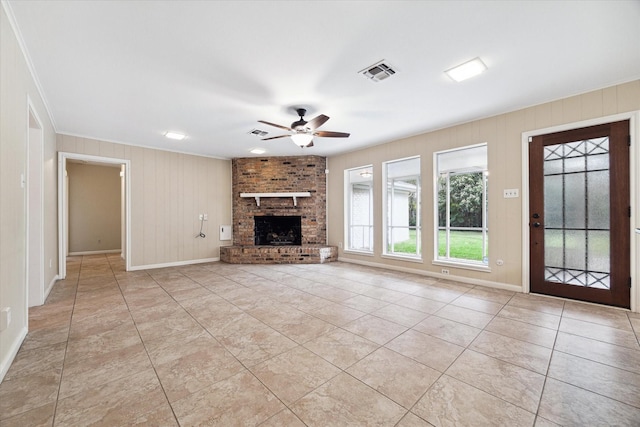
(576, 208)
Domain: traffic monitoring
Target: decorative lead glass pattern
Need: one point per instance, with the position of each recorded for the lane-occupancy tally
(577, 218)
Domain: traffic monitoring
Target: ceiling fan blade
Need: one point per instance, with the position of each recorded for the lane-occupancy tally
(309, 145)
(316, 122)
(275, 137)
(330, 134)
(275, 125)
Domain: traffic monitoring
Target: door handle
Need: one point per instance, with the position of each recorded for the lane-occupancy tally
(536, 224)
(535, 215)
(637, 230)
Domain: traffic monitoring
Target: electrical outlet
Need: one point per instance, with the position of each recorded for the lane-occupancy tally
(340, 245)
(511, 193)
(206, 217)
(445, 271)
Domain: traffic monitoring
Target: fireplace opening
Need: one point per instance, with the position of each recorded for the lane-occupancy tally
(278, 230)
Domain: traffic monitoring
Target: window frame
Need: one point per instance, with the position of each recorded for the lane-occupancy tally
(447, 260)
(387, 216)
(348, 212)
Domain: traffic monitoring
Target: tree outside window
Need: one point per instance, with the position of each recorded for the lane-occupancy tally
(462, 233)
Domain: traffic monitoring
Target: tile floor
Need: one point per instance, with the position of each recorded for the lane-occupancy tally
(317, 345)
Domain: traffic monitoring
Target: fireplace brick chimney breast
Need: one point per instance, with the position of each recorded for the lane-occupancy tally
(280, 175)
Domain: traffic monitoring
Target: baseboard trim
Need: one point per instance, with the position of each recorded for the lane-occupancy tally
(109, 251)
(48, 289)
(173, 264)
(487, 283)
(6, 362)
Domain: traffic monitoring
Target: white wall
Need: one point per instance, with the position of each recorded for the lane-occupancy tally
(16, 87)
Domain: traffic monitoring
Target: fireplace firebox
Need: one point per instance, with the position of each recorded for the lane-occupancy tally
(278, 230)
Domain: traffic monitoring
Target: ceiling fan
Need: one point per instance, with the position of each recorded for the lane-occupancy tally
(303, 131)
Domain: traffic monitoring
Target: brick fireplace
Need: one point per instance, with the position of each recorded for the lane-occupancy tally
(281, 187)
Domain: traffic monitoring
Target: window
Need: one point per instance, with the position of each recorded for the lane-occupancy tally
(402, 201)
(359, 209)
(461, 203)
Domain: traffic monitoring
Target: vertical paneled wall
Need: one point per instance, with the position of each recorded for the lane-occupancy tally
(168, 192)
(17, 89)
(503, 134)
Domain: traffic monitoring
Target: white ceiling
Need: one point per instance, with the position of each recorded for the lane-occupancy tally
(128, 71)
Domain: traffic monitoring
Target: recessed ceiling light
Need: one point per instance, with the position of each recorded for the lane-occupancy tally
(466, 70)
(175, 135)
(258, 151)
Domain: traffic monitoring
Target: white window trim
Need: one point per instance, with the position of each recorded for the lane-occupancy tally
(357, 252)
(385, 254)
(410, 258)
(470, 265)
(347, 214)
(463, 265)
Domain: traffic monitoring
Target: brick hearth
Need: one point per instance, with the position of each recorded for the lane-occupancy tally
(279, 175)
(307, 254)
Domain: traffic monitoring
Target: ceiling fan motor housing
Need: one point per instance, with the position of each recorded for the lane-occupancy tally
(299, 125)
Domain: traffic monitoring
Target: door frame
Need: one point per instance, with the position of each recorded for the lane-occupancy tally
(634, 187)
(36, 289)
(63, 227)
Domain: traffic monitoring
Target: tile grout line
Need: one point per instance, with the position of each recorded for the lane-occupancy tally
(546, 375)
(75, 299)
(143, 344)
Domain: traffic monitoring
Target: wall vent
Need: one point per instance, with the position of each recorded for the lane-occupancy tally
(378, 71)
(257, 132)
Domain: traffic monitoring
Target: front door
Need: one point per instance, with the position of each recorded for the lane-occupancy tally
(579, 216)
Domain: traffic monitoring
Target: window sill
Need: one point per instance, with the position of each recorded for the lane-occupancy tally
(357, 252)
(402, 258)
(465, 266)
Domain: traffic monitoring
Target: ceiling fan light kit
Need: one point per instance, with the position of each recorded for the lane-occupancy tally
(302, 139)
(302, 132)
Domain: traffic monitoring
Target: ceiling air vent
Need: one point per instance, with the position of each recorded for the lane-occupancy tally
(258, 132)
(378, 71)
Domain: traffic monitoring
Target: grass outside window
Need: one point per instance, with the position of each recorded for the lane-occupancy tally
(464, 245)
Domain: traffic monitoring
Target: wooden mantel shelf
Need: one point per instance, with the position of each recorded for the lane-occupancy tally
(294, 196)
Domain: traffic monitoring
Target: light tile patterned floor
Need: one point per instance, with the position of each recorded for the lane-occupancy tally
(317, 345)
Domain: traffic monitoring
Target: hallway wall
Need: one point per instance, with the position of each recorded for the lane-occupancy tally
(94, 208)
(17, 87)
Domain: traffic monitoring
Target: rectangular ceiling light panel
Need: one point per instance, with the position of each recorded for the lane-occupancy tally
(467, 70)
(175, 135)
